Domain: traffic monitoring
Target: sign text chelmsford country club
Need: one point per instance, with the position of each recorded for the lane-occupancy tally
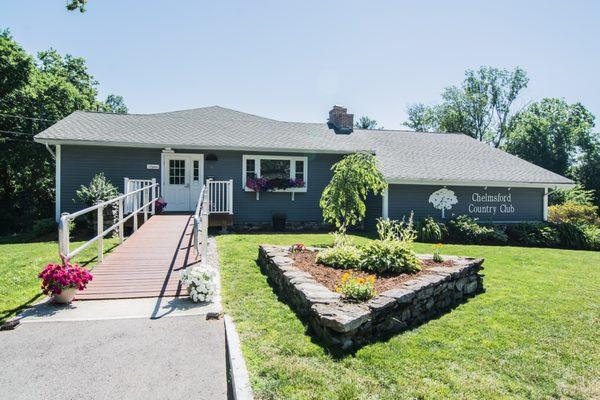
(479, 206)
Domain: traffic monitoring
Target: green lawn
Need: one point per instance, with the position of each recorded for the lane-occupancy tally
(21, 262)
(533, 334)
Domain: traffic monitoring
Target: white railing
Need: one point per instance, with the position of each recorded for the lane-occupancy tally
(147, 196)
(220, 196)
(131, 185)
(201, 224)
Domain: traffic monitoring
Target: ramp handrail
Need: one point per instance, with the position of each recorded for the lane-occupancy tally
(149, 196)
(201, 223)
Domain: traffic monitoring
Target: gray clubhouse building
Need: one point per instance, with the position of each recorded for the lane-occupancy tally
(430, 174)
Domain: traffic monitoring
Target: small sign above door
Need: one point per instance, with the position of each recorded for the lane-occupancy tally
(152, 166)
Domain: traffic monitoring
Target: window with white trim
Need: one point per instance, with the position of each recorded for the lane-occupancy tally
(275, 167)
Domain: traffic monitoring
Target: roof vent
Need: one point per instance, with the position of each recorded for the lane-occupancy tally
(340, 121)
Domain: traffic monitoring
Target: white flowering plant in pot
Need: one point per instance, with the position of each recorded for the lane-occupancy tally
(201, 282)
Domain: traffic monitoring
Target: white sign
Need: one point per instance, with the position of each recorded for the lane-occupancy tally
(152, 166)
(443, 199)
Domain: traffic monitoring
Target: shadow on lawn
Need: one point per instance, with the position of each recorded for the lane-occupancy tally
(6, 314)
(339, 354)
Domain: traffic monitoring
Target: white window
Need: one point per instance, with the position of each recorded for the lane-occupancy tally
(275, 167)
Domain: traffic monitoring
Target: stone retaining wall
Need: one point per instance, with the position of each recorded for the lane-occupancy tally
(350, 325)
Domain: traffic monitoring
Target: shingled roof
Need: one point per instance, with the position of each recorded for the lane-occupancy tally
(404, 156)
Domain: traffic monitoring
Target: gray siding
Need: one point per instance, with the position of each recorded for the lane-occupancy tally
(527, 203)
(374, 207)
(81, 163)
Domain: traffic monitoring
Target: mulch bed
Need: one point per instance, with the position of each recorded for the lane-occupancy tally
(330, 277)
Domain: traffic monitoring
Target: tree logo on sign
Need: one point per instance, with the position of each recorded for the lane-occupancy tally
(443, 199)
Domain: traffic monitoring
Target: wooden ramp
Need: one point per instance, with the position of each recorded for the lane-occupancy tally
(147, 264)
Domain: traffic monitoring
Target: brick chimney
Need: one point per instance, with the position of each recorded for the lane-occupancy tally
(340, 121)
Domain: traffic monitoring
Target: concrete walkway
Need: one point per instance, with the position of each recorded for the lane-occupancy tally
(168, 358)
(149, 348)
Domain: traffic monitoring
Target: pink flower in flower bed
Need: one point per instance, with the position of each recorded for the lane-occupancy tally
(266, 185)
(56, 278)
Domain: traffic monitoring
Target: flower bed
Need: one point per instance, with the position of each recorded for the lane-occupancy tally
(330, 277)
(402, 300)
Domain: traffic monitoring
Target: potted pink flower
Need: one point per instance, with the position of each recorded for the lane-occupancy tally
(160, 205)
(63, 281)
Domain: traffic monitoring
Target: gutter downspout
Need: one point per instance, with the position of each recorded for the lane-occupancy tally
(50, 151)
(545, 205)
(57, 178)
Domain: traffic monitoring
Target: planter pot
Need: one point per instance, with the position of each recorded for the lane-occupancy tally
(65, 297)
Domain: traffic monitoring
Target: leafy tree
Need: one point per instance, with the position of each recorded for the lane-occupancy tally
(51, 87)
(15, 65)
(504, 88)
(77, 5)
(588, 169)
(480, 107)
(367, 123)
(550, 133)
(354, 178)
(577, 195)
(422, 118)
(115, 104)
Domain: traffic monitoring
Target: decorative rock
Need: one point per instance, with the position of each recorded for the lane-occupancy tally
(348, 325)
(402, 295)
(341, 317)
(381, 303)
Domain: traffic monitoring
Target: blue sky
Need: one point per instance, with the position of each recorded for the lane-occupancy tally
(292, 61)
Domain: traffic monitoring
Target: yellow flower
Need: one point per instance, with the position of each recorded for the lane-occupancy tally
(346, 276)
(371, 278)
(360, 281)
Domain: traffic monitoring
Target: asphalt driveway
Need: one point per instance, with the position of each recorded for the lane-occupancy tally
(168, 358)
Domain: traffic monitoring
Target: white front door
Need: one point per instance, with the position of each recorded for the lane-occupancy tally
(182, 180)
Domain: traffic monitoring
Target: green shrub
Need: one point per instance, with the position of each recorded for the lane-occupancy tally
(356, 288)
(429, 230)
(464, 229)
(574, 213)
(492, 235)
(342, 256)
(592, 234)
(44, 227)
(385, 256)
(100, 189)
(402, 231)
(534, 234)
(572, 236)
